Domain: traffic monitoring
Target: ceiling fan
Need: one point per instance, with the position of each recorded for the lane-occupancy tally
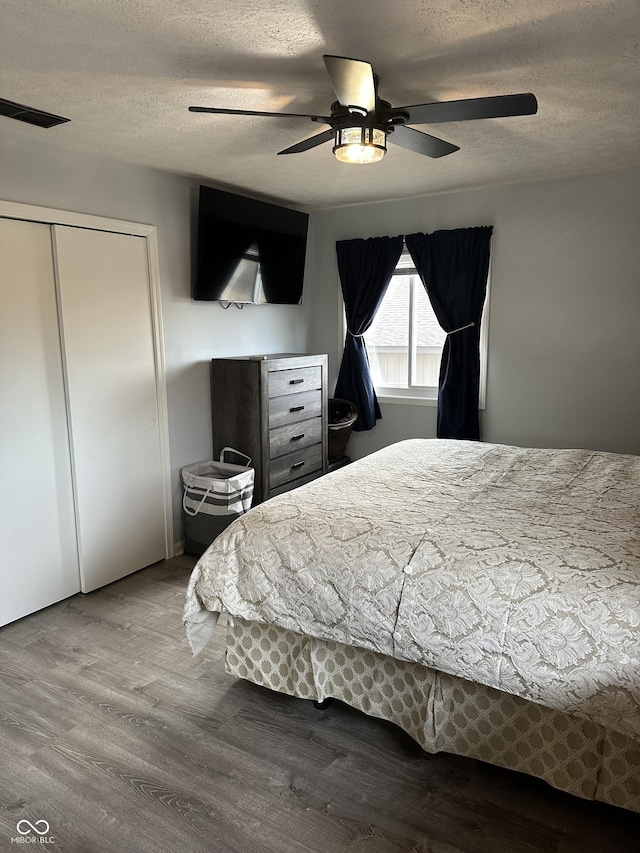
(360, 121)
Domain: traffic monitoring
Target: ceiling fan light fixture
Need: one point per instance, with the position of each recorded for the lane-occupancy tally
(360, 144)
(360, 121)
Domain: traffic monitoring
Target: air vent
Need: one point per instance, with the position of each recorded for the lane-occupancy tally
(28, 114)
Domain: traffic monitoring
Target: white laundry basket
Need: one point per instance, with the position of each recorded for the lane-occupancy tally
(215, 494)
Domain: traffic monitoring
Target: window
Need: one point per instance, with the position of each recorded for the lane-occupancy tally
(405, 341)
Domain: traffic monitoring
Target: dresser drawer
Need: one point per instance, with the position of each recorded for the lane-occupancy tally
(287, 439)
(295, 465)
(292, 381)
(291, 408)
(293, 484)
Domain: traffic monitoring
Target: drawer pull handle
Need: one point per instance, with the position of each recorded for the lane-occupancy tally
(296, 408)
(295, 381)
(297, 465)
(297, 437)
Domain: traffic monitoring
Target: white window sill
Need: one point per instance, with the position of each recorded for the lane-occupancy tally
(397, 400)
(407, 400)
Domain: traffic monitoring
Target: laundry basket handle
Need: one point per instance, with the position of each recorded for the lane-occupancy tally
(193, 512)
(237, 452)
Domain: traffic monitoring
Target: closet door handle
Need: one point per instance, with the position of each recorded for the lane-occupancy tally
(295, 381)
(297, 437)
(296, 408)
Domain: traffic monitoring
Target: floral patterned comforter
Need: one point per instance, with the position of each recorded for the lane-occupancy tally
(516, 568)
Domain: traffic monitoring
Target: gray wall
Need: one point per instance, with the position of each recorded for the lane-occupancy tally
(564, 342)
(564, 348)
(45, 174)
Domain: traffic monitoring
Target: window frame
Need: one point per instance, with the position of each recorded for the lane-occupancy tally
(426, 395)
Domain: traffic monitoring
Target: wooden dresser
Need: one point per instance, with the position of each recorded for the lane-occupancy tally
(274, 409)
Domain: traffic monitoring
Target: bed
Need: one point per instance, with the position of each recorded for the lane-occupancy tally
(485, 598)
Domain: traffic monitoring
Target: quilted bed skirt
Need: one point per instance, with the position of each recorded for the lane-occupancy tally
(443, 713)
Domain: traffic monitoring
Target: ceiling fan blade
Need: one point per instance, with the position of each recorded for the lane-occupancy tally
(422, 143)
(222, 111)
(470, 109)
(353, 81)
(306, 144)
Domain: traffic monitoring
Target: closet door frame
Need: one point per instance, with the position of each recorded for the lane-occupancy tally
(51, 216)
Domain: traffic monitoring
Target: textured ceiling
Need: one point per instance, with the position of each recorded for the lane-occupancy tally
(125, 71)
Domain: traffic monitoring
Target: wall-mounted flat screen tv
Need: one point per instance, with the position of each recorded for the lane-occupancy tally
(248, 251)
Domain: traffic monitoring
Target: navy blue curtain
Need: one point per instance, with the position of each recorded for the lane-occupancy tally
(365, 268)
(454, 266)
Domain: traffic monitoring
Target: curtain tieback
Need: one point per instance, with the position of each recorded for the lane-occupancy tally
(453, 331)
(355, 336)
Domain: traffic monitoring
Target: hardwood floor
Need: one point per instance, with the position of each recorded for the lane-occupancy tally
(112, 733)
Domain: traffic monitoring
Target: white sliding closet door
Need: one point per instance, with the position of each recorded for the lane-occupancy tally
(38, 553)
(103, 282)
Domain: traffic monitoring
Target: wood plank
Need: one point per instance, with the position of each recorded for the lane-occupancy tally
(112, 732)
